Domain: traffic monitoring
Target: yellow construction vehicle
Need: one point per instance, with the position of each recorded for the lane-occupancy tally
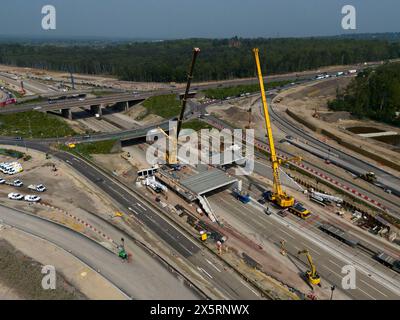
(172, 138)
(277, 195)
(312, 275)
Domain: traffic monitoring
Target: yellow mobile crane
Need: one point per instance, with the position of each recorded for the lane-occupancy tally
(312, 275)
(172, 138)
(278, 195)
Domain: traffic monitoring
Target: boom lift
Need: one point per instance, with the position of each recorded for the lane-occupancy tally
(172, 138)
(312, 275)
(277, 195)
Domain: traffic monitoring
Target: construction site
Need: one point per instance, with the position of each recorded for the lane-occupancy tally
(267, 194)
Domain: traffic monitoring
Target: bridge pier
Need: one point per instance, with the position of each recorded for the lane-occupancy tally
(96, 109)
(66, 113)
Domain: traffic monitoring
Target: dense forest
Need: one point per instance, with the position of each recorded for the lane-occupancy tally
(219, 59)
(374, 93)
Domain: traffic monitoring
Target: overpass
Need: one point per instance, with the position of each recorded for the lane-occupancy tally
(128, 99)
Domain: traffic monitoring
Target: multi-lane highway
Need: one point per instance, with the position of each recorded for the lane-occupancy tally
(224, 283)
(342, 159)
(374, 281)
(123, 97)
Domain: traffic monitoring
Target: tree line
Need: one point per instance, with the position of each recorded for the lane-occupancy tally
(374, 93)
(167, 61)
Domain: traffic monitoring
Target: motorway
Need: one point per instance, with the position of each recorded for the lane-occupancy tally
(144, 278)
(392, 205)
(344, 160)
(225, 283)
(122, 97)
(374, 281)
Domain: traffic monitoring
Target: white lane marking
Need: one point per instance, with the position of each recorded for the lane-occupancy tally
(201, 269)
(367, 294)
(286, 233)
(373, 288)
(213, 265)
(139, 205)
(248, 287)
(130, 209)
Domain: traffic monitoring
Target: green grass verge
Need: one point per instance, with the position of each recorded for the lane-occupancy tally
(34, 124)
(196, 125)
(235, 91)
(13, 153)
(103, 93)
(87, 149)
(166, 106)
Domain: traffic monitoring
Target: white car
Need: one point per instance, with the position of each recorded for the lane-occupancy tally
(17, 183)
(38, 188)
(15, 196)
(32, 198)
(2, 181)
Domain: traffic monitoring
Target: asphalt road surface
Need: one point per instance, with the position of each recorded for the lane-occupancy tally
(329, 254)
(226, 283)
(144, 278)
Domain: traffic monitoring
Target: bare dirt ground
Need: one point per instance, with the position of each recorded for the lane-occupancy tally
(90, 283)
(23, 275)
(84, 80)
(304, 99)
(110, 81)
(67, 193)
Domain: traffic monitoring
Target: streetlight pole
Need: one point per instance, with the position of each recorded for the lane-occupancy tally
(332, 289)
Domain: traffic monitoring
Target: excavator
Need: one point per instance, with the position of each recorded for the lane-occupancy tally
(312, 275)
(277, 196)
(172, 138)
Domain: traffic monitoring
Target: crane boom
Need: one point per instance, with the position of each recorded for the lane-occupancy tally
(171, 152)
(278, 195)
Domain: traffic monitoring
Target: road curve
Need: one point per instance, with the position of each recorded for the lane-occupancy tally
(137, 280)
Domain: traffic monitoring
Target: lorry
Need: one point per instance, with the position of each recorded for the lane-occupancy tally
(369, 177)
(241, 197)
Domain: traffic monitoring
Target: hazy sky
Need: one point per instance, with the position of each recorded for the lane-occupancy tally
(159, 19)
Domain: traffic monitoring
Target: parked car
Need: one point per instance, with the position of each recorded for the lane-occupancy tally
(2, 181)
(18, 183)
(15, 196)
(39, 187)
(267, 211)
(283, 213)
(32, 198)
